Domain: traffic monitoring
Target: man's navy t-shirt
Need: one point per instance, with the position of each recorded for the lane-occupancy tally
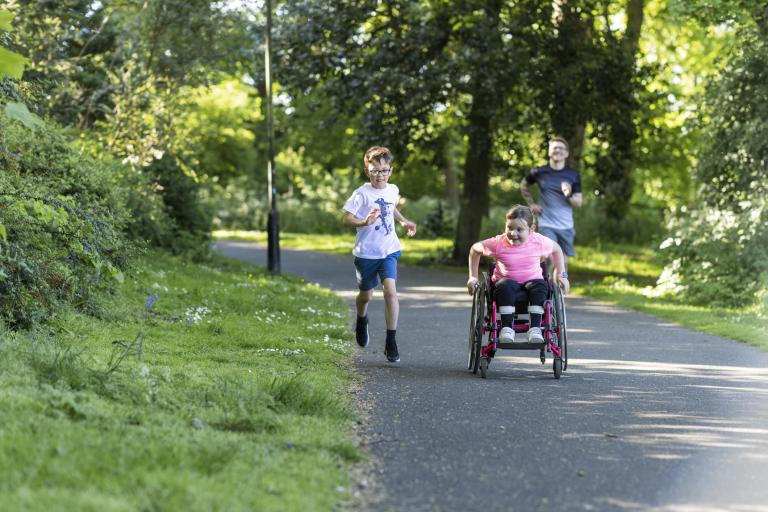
(556, 211)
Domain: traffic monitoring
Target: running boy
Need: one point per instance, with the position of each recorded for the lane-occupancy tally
(371, 209)
(518, 277)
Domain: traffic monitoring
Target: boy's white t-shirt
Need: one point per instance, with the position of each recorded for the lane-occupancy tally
(379, 239)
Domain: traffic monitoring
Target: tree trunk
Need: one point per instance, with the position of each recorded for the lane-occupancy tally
(568, 114)
(477, 168)
(616, 171)
(634, 26)
(576, 143)
(451, 174)
(487, 95)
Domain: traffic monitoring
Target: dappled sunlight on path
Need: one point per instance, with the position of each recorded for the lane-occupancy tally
(700, 371)
(648, 416)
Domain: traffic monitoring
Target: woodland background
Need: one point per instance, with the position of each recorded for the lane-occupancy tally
(133, 124)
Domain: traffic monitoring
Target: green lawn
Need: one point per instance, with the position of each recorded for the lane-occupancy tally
(621, 274)
(416, 251)
(228, 394)
(627, 275)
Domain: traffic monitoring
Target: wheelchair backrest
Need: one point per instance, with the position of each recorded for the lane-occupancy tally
(547, 267)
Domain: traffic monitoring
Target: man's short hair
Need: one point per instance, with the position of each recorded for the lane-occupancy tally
(377, 154)
(560, 139)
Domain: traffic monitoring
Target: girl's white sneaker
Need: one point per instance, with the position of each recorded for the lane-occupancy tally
(535, 336)
(507, 335)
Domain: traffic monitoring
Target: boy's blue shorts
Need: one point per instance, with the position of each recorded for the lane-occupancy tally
(370, 271)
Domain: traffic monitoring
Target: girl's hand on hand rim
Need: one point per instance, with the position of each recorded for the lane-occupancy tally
(471, 285)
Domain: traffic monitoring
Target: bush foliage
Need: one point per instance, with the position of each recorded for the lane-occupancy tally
(61, 220)
(718, 251)
(188, 220)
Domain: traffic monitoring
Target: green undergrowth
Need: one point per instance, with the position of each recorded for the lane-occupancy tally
(623, 274)
(416, 251)
(225, 393)
(626, 275)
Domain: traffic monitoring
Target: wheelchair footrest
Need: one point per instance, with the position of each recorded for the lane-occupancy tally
(520, 346)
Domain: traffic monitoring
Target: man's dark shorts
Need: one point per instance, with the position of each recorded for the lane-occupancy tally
(371, 272)
(563, 237)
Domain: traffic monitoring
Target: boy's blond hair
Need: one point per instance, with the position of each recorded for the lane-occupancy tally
(377, 154)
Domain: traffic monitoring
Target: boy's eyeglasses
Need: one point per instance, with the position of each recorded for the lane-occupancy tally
(379, 172)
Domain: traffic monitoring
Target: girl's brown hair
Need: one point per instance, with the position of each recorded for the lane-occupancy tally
(521, 212)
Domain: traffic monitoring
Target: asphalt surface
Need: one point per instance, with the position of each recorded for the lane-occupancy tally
(649, 415)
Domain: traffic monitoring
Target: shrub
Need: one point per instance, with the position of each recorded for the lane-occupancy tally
(718, 257)
(718, 250)
(61, 217)
(434, 216)
(148, 222)
(190, 219)
(642, 225)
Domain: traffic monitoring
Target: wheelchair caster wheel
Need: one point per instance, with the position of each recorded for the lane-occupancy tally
(483, 367)
(542, 357)
(557, 367)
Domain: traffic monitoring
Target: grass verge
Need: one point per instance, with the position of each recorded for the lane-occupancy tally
(415, 251)
(220, 396)
(626, 275)
(622, 274)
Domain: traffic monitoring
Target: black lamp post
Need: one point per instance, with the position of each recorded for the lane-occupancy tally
(273, 224)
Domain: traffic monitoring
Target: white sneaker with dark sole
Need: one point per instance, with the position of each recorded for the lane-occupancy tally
(535, 336)
(507, 335)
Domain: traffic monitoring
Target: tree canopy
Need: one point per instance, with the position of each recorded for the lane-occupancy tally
(660, 100)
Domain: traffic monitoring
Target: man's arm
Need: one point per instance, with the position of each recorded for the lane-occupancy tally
(535, 208)
(575, 200)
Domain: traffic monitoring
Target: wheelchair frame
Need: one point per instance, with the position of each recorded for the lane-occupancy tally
(484, 319)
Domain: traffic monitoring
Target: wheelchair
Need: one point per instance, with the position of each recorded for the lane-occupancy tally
(485, 324)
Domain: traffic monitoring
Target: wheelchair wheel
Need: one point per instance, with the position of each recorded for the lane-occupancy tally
(557, 367)
(476, 328)
(483, 366)
(471, 337)
(562, 326)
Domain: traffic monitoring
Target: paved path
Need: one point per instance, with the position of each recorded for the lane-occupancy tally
(649, 416)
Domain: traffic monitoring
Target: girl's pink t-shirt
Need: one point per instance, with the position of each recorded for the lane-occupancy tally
(521, 263)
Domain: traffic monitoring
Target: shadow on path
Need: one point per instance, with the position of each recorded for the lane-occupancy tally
(649, 416)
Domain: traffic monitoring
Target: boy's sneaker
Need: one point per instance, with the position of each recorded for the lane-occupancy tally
(535, 336)
(390, 350)
(361, 331)
(507, 335)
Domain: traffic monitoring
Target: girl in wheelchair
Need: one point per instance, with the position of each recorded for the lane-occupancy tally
(517, 275)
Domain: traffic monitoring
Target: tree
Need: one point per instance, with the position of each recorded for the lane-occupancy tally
(718, 248)
(398, 64)
(12, 66)
(11, 63)
(109, 62)
(591, 76)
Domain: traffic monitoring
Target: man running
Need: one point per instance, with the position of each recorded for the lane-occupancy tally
(560, 192)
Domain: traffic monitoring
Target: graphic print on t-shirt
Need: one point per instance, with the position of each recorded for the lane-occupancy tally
(384, 218)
